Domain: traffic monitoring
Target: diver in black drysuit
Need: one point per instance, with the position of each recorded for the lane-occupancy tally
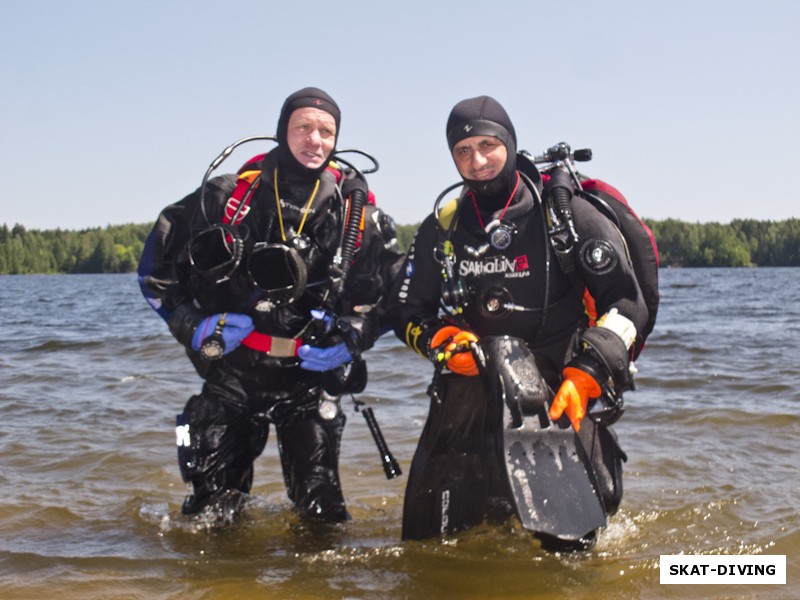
(260, 379)
(519, 291)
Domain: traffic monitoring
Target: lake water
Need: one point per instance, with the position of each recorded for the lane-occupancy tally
(91, 381)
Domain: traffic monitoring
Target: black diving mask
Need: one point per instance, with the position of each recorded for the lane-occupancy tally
(275, 272)
(216, 252)
(278, 273)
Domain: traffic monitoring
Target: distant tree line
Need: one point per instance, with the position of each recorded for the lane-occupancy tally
(113, 249)
(742, 243)
(117, 248)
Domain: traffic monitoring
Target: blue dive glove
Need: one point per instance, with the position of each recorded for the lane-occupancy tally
(220, 334)
(313, 358)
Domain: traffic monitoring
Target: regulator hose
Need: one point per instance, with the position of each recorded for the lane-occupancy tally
(560, 190)
(352, 229)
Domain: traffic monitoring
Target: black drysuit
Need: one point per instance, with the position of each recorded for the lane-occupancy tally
(247, 389)
(538, 301)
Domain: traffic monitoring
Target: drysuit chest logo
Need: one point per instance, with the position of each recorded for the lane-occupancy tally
(494, 265)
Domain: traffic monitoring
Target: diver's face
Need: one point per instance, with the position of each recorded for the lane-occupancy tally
(311, 135)
(480, 158)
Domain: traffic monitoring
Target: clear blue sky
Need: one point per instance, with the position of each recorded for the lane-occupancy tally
(111, 110)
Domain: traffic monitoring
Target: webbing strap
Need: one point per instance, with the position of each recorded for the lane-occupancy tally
(272, 345)
(238, 205)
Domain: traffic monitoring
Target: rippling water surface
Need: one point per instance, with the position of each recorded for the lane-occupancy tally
(91, 381)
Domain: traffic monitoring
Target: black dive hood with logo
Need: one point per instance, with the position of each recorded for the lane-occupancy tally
(484, 115)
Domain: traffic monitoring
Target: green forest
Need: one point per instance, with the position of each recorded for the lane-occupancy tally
(117, 248)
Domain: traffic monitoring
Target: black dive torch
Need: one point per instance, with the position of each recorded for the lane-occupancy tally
(390, 465)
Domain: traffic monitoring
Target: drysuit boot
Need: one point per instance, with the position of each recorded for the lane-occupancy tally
(309, 451)
(217, 444)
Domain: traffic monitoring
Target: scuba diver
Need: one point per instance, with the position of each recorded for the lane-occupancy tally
(274, 280)
(504, 277)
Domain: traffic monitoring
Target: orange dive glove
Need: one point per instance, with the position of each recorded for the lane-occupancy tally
(573, 396)
(451, 345)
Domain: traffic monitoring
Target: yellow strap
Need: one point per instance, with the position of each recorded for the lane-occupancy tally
(278, 204)
(308, 206)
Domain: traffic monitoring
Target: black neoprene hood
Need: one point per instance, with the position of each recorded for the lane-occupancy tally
(482, 115)
(309, 97)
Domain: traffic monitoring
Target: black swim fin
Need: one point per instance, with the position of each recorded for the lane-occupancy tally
(551, 477)
(448, 482)
(489, 441)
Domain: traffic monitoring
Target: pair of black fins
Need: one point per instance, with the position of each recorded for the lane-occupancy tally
(489, 442)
